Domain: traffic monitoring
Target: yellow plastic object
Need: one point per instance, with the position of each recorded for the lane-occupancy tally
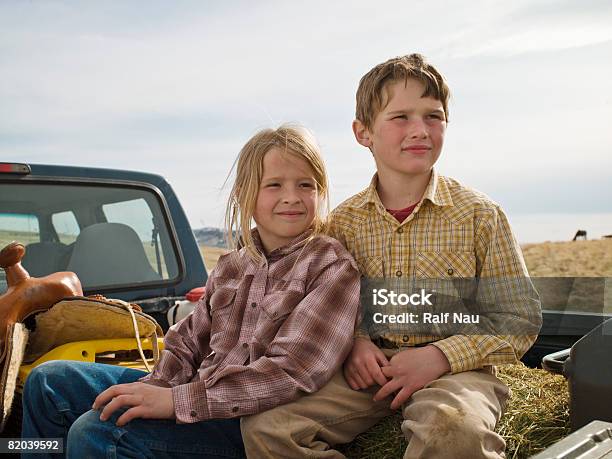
(86, 351)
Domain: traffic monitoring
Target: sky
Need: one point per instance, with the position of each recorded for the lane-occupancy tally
(176, 88)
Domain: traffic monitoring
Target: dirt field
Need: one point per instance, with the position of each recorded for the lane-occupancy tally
(548, 259)
(211, 255)
(570, 259)
(552, 265)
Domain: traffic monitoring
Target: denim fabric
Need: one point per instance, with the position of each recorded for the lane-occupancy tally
(57, 401)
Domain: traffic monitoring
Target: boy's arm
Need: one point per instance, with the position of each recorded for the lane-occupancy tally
(308, 348)
(338, 230)
(505, 284)
(185, 345)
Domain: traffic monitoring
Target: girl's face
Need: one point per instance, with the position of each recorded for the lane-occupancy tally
(287, 199)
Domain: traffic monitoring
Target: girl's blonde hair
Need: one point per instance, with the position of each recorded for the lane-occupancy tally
(292, 140)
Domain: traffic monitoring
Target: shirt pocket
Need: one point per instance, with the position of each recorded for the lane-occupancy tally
(445, 265)
(279, 303)
(371, 267)
(220, 302)
(449, 277)
(276, 307)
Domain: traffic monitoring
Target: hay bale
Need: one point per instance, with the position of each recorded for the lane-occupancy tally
(383, 441)
(537, 415)
(538, 412)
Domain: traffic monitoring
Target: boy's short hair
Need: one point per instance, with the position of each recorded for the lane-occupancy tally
(372, 94)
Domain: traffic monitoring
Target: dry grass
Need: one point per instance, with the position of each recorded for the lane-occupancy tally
(538, 412)
(211, 255)
(569, 259)
(547, 259)
(23, 237)
(554, 265)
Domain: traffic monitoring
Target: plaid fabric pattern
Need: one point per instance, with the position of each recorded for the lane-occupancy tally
(262, 334)
(454, 232)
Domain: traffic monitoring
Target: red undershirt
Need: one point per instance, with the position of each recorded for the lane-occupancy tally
(402, 214)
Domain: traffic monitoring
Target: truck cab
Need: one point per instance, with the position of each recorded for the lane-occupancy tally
(123, 233)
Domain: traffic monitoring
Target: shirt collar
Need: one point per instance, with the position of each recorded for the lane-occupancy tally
(437, 192)
(293, 245)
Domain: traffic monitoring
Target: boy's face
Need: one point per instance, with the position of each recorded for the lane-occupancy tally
(407, 135)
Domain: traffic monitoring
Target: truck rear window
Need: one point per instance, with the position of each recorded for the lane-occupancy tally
(110, 236)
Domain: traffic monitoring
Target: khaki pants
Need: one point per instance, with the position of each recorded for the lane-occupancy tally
(452, 417)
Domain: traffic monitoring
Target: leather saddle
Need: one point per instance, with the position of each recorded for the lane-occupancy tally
(24, 296)
(27, 295)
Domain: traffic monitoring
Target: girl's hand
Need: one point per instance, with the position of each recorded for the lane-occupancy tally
(146, 401)
(362, 367)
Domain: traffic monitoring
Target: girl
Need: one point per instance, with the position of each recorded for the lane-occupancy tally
(276, 321)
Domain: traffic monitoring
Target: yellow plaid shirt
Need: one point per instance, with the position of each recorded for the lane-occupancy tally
(454, 232)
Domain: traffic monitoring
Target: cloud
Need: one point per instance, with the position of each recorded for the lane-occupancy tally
(178, 88)
(541, 39)
(528, 27)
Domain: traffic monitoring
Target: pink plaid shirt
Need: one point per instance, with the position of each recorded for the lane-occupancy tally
(263, 333)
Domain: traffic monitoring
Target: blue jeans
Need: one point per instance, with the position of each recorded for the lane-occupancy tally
(57, 401)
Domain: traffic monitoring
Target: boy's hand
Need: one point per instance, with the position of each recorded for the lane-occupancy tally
(410, 370)
(362, 367)
(146, 401)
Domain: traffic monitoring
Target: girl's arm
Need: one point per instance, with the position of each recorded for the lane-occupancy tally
(185, 345)
(180, 360)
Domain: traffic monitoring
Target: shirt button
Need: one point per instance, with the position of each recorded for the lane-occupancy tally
(400, 230)
(405, 338)
(450, 271)
(235, 409)
(193, 414)
(253, 305)
(398, 274)
(245, 345)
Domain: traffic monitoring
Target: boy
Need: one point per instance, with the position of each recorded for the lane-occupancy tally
(412, 223)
